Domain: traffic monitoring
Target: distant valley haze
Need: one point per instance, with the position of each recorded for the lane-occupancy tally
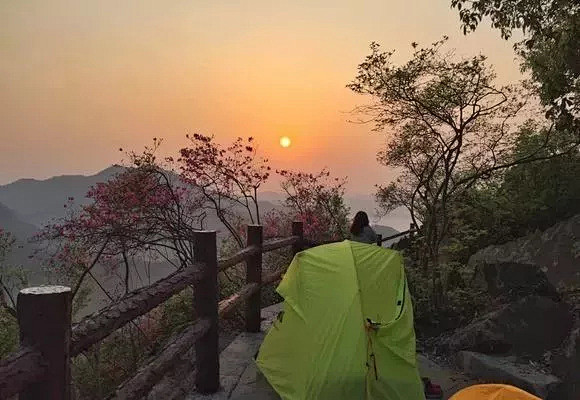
(26, 205)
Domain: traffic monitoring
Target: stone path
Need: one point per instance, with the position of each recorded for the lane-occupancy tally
(241, 379)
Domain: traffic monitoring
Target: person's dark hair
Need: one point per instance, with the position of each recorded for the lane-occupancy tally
(361, 219)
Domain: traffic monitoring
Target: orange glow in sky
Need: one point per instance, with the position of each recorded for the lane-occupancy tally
(78, 80)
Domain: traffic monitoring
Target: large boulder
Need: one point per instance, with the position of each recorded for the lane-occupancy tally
(514, 280)
(566, 365)
(556, 250)
(527, 327)
(500, 369)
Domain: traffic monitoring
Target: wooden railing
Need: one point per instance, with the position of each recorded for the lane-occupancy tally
(40, 369)
(380, 239)
(412, 230)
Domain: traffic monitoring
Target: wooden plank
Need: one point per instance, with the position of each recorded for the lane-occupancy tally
(143, 381)
(205, 303)
(237, 258)
(226, 306)
(254, 275)
(298, 230)
(20, 369)
(273, 277)
(278, 243)
(249, 251)
(98, 326)
(396, 235)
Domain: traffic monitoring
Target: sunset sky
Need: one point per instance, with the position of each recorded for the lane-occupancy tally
(79, 79)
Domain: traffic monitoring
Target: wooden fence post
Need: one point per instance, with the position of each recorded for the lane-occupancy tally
(44, 318)
(297, 230)
(254, 275)
(380, 240)
(205, 295)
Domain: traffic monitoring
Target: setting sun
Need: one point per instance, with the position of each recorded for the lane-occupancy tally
(285, 141)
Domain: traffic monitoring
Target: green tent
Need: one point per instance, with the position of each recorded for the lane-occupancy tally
(346, 331)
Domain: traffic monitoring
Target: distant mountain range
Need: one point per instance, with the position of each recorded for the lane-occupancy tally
(38, 201)
(28, 204)
(10, 221)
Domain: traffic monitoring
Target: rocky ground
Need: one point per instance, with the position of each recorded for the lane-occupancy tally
(529, 338)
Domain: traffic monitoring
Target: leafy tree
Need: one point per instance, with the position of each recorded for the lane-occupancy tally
(550, 49)
(524, 198)
(543, 192)
(450, 127)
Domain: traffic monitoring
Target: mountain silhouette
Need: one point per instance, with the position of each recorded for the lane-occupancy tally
(38, 201)
(11, 222)
(27, 204)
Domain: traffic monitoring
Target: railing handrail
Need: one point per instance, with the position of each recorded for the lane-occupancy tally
(101, 324)
(396, 235)
(28, 366)
(139, 385)
(248, 251)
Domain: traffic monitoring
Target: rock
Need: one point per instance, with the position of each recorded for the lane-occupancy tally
(514, 280)
(567, 366)
(494, 369)
(448, 377)
(529, 326)
(557, 250)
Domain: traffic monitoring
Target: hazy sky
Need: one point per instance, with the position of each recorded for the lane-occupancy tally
(79, 79)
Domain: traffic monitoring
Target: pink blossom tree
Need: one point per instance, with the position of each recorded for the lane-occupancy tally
(143, 211)
(228, 177)
(315, 199)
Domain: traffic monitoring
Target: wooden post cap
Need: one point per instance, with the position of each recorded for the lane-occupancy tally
(41, 290)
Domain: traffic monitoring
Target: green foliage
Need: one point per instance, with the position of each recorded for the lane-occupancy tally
(449, 128)
(550, 49)
(100, 370)
(461, 302)
(8, 333)
(177, 313)
(526, 197)
(12, 279)
(543, 192)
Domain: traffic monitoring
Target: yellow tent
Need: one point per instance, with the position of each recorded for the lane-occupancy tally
(493, 392)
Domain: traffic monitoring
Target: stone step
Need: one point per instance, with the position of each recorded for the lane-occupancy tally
(239, 356)
(497, 369)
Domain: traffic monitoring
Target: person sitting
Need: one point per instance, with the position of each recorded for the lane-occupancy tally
(360, 229)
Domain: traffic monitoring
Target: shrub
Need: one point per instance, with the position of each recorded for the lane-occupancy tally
(8, 333)
(461, 302)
